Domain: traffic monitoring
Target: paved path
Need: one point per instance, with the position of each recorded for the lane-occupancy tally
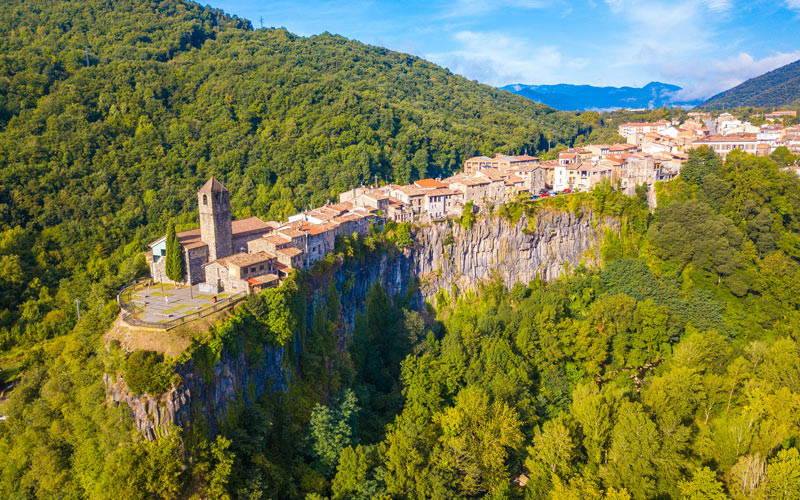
(162, 306)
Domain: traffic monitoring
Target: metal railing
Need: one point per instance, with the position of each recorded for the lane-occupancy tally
(130, 311)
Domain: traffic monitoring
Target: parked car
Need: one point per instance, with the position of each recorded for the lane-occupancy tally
(545, 195)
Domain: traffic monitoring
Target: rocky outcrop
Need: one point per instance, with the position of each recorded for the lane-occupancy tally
(443, 253)
(517, 252)
(235, 378)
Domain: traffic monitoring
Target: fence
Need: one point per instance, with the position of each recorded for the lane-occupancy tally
(129, 315)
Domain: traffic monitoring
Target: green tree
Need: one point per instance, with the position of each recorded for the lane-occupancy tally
(174, 264)
(331, 430)
(703, 486)
(783, 475)
(476, 438)
(467, 215)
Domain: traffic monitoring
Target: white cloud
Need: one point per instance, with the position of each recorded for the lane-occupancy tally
(465, 8)
(793, 4)
(720, 75)
(718, 5)
(498, 59)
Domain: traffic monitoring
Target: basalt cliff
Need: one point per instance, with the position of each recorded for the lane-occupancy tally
(443, 254)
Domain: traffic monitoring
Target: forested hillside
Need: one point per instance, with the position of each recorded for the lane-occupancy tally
(112, 114)
(672, 372)
(779, 87)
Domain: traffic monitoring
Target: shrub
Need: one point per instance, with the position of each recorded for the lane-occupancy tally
(146, 372)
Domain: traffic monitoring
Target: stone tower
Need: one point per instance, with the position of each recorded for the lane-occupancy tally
(214, 205)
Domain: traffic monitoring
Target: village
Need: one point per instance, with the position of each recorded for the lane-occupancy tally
(240, 256)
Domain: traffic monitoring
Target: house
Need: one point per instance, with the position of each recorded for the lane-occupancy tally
(780, 115)
(568, 158)
(627, 129)
(533, 177)
(428, 184)
(564, 176)
(722, 145)
(502, 162)
(440, 202)
(230, 274)
(411, 196)
(291, 257)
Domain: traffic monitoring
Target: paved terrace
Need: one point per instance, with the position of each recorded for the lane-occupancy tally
(157, 304)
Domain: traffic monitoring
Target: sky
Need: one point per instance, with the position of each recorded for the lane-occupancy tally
(704, 46)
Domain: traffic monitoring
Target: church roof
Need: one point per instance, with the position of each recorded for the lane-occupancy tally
(213, 186)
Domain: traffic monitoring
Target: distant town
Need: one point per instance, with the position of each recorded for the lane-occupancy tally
(235, 256)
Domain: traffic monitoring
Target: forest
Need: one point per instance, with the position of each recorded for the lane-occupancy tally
(113, 113)
(670, 372)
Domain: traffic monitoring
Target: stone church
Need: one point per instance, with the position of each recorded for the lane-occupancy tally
(217, 237)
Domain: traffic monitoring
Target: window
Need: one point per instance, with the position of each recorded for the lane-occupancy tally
(253, 269)
(205, 200)
(261, 267)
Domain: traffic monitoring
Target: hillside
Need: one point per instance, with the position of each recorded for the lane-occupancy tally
(586, 97)
(672, 371)
(96, 159)
(779, 87)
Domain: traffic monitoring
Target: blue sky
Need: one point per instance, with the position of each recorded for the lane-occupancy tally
(705, 46)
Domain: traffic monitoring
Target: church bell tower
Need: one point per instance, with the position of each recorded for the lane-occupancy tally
(214, 205)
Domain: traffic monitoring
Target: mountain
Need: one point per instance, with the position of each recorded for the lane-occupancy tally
(779, 87)
(586, 97)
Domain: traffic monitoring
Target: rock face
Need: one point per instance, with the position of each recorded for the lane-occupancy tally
(235, 377)
(447, 254)
(443, 253)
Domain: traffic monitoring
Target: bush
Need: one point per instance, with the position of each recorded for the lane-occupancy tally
(146, 372)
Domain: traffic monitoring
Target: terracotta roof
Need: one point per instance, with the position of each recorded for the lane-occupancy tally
(343, 206)
(249, 225)
(245, 259)
(290, 251)
(428, 184)
(474, 182)
(346, 218)
(395, 201)
(276, 239)
(314, 229)
(442, 192)
(410, 190)
(213, 186)
(727, 138)
(190, 239)
(291, 232)
(263, 280)
(376, 195)
(525, 158)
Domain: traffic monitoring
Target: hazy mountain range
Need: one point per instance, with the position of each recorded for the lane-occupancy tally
(587, 97)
